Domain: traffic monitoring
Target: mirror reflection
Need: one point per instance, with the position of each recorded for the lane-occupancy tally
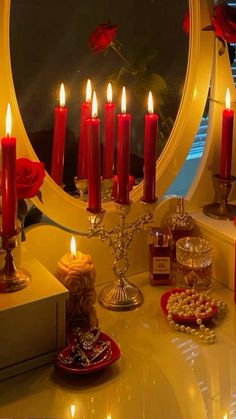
(143, 47)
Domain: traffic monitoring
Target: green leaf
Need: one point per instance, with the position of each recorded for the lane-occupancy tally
(144, 54)
(157, 85)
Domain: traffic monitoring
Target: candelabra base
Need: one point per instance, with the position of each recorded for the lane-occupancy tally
(16, 281)
(220, 211)
(120, 296)
(11, 278)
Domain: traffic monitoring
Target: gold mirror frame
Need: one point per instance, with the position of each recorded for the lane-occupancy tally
(70, 212)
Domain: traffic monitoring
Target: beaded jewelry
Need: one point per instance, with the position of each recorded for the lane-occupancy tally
(195, 307)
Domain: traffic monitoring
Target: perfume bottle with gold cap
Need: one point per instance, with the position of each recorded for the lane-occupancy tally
(160, 257)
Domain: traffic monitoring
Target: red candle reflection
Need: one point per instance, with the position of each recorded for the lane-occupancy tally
(123, 152)
(58, 149)
(109, 135)
(93, 159)
(85, 113)
(150, 146)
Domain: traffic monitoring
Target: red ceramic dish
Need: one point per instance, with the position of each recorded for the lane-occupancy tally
(76, 368)
(180, 319)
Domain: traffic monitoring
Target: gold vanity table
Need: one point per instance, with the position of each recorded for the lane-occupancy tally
(161, 373)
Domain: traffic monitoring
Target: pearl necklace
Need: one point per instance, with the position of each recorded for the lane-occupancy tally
(197, 306)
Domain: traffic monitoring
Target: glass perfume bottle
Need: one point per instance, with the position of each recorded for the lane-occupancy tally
(180, 224)
(160, 257)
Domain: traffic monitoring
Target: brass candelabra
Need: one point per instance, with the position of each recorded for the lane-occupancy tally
(120, 294)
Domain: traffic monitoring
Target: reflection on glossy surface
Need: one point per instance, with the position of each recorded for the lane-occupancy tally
(161, 374)
(48, 48)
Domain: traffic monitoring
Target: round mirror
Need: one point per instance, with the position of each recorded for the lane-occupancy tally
(146, 49)
(58, 205)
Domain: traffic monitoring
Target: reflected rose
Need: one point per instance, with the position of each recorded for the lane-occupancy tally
(224, 22)
(103, 35)
(186, 22)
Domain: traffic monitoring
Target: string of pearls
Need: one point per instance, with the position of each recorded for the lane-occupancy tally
(195, 305)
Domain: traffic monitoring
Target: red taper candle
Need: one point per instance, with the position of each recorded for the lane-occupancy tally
(150, 147)
(226, 139)
(85, 113)
(93, 159)
(123, 152)
(58, 148)
(109, 135)
(8, 180)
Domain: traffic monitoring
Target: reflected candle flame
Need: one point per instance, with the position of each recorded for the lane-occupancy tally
(88, 91)
(72, 410)
(123, 100)
(150, 102)
(227, 99)
(73, 247)
(62, 95)
(8, 121)
(109, 93)
(94, 105)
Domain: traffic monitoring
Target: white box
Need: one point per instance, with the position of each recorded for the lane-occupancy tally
(32, 321)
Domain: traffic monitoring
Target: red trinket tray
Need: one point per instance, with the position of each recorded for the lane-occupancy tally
(108, 357)
(181, 319)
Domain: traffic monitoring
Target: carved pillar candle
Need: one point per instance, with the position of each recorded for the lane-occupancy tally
(76, 272)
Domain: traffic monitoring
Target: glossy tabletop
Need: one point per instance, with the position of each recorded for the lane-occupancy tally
(161, 373)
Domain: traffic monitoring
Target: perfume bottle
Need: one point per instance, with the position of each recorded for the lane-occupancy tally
(180, 224)
(160, 257)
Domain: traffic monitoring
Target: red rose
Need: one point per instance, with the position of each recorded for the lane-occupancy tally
(186, 22)
(103, 35)
(29, 177)
(224, 22)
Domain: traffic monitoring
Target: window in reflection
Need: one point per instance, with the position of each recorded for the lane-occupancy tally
(50, 45)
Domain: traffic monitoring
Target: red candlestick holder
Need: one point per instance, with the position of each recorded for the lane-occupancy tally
(11, 278)
(222, 210)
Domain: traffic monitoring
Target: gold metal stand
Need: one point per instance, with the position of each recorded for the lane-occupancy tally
(121, 294)
(222, 210)
(11, 278)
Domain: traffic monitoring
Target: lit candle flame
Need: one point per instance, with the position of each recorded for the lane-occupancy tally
(72, 410)
(150, 102)
(123, 101)
(227, 99)
(225, 416)
(88, 91)
(109, 93)
(62, 95)
(94, 105)
(108, 416)
(8, 120)
(73, 247)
